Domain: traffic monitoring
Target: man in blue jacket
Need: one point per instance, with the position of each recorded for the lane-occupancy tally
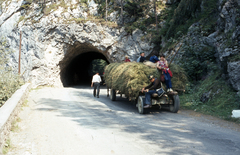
(154, 58)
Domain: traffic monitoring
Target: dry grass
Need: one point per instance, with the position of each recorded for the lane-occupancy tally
(95, 20)
(14, 126)
(179, 79)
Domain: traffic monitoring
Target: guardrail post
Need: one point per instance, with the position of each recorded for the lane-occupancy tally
(19, 58)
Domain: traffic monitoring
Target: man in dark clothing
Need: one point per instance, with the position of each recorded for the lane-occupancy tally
(149, 90)
(96, 82)
(142, 57)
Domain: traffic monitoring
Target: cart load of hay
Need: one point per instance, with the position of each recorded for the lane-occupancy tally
(129, 78)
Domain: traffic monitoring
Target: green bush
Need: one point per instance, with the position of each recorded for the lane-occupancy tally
(181, 16)
(198, 61)
(222, 98)
(97, 65)
(9, 82)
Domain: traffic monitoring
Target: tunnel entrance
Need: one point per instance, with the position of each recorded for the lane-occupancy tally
(81, 68)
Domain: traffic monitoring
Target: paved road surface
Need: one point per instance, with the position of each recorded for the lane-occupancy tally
(69, 121)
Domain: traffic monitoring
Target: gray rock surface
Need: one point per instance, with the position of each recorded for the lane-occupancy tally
(205, 97)
(50, 42)
(234, 74)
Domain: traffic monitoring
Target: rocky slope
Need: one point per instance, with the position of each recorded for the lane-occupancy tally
(224, 40)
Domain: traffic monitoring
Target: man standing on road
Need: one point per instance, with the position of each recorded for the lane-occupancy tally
(149, 90)
(96, 83)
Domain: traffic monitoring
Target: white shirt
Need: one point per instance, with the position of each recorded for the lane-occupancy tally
(96, 78)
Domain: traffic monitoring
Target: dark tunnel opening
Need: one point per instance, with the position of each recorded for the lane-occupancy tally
(79, 71)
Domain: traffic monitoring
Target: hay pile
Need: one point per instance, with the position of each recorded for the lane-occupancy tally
(129, 78)
(179, 79)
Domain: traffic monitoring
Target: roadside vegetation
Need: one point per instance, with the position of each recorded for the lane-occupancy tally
(212, 96)
(7, 146)
(9, 80)
(14, 128)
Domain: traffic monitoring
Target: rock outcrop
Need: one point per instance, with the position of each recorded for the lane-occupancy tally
(225, 41)
(52, 40)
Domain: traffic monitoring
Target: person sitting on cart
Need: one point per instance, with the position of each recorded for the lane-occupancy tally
(162, 65)
(154, 57)
(151, 89)
(127, 59)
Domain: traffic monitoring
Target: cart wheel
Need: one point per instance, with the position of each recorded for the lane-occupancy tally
(113, 95)
(140, 105)
(176, 103)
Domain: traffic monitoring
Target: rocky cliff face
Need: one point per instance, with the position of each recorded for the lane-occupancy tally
(50, 42)
(225, 40)
(53, 38)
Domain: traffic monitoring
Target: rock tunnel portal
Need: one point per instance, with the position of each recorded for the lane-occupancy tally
(78, 70)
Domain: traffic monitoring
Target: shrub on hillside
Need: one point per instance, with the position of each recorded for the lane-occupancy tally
(198, 61)
(9, 82)
(212, 96)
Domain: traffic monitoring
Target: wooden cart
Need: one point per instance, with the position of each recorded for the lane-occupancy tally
(166, 100)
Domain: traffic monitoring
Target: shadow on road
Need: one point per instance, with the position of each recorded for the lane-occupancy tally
(172, 133)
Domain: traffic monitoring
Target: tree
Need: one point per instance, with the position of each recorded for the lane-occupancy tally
(136, 8)
(97, 65)
(106, 10)
(155, 13)
(122, 20)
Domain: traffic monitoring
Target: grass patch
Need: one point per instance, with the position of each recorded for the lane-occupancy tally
(94, 19)
(49, 8)
(15, 127)
(222, 98)
(25, 103)
(234, 58)
(229, 40)
(21, 19)
(7, 146)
